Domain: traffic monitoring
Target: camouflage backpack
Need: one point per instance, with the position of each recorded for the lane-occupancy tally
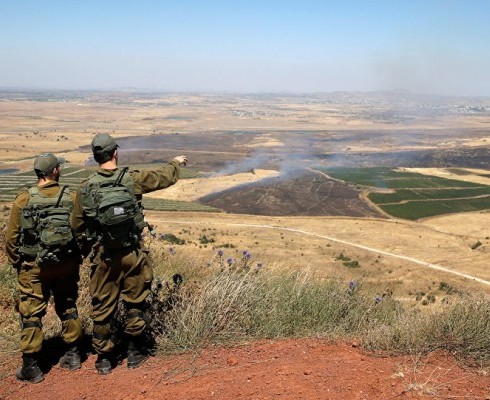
(45, 226)
(114, 216)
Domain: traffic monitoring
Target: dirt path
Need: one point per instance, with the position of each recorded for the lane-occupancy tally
(348, 243)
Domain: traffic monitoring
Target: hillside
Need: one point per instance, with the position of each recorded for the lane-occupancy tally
(260, 181)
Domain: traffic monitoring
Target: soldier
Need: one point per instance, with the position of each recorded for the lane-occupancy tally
(41, 247)
(108, 219)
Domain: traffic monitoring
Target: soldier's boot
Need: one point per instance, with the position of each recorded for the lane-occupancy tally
(71, 358)
(103, 364)
(29, 371)
(137, 352)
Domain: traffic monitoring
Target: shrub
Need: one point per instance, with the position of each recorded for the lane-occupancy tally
(203, 239)
(171, 238)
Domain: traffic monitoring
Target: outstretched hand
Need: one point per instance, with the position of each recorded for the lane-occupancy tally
(182, 160)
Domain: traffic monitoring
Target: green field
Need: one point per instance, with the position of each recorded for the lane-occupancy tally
(12, 184)
(413, 196)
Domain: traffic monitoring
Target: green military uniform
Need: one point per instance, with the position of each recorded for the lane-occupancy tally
(37, 282)
(120, 273)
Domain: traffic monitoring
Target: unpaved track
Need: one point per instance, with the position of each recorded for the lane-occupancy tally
(344, 242)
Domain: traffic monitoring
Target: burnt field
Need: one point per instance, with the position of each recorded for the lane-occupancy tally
(308, 194)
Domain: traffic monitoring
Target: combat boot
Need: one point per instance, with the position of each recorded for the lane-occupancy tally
(29, 371)
(71, 358)
(103, 364)
(137, 352)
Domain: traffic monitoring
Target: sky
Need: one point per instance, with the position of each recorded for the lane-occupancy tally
(251, 46)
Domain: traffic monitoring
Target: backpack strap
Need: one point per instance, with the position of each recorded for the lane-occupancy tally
(60, 196)
(120, 176)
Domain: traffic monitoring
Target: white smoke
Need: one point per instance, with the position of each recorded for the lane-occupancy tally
(258, 159)
(291, 158)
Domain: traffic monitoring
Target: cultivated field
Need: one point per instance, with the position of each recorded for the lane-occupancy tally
(411, 195)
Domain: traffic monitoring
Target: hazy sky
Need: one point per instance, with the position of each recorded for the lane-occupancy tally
(427, 46)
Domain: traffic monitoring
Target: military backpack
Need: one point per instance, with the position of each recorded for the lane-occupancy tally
(46, 233)
(114, 216)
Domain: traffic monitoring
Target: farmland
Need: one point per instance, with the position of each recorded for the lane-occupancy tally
(413, 196)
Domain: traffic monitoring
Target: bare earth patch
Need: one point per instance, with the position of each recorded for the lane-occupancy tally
(285, 369)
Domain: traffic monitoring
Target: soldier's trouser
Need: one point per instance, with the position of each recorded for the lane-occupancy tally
(124, 273)
(35, 285)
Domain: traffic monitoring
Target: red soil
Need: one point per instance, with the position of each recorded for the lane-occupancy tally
(287, 369)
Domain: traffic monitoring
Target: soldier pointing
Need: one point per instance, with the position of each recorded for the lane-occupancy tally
(108, 220)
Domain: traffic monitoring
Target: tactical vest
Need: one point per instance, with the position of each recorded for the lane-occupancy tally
(114, 217)
(45, 226)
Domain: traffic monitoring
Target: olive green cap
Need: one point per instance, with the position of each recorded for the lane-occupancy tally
(103, 142)
(45, 163)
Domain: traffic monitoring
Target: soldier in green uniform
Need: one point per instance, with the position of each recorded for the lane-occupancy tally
(110, 223)
(42, 270)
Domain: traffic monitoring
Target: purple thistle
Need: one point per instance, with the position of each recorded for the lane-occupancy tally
(352, 285)
(230, 261)
(378, 299)
(220, 253)
(246, 254)
(171, 249)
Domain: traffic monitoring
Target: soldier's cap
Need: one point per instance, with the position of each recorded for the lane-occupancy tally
(103, 142)
(45, 163)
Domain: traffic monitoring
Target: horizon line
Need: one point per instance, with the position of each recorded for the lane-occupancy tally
(135, 90)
